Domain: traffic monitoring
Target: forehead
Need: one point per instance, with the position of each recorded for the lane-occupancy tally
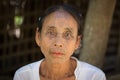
(60, 18)
(60, 14)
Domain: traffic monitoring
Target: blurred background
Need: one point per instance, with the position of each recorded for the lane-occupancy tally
(18, 22)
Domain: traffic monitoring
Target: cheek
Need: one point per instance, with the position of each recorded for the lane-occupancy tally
(45, 44)
(70, 47)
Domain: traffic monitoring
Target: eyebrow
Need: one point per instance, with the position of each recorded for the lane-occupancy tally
(69, 29)
(51, 27)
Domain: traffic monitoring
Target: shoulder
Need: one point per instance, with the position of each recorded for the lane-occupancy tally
(81, 65)
(28, 67)
(87, 66)
(89, 71)
(27, 71)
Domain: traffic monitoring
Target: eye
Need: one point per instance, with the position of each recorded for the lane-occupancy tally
(51, 33)
(68, 35)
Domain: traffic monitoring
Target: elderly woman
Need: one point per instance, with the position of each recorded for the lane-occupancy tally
(58, 35)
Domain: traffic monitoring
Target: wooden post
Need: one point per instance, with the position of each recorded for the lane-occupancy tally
(96, 31)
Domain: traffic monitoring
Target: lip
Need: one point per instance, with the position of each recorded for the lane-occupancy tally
(57, 53)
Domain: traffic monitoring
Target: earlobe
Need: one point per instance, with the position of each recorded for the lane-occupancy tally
(78, 41)
(37, 37)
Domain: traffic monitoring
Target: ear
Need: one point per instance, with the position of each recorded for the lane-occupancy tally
(37, 37)
(78, 41)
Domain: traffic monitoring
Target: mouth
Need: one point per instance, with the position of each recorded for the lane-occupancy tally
(57, 53)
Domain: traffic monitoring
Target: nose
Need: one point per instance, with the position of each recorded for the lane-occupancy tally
(58, 42)
(59, 45)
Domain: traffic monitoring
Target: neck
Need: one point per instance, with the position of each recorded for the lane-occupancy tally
(57, 70)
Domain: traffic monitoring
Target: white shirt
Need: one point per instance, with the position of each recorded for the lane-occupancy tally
(83, 71)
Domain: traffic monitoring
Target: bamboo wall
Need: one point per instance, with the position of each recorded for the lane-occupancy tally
(17, 51)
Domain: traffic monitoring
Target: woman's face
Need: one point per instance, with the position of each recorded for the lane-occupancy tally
(58, 38)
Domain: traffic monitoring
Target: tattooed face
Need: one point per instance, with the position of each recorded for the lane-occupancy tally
(58, 38)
